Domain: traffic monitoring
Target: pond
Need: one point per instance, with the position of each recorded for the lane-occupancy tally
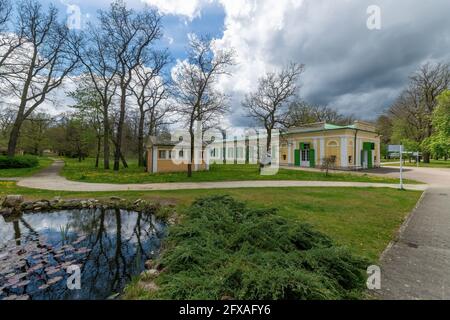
(109, 246)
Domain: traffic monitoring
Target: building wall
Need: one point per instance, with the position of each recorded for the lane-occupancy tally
(168, 165)
(337, 143)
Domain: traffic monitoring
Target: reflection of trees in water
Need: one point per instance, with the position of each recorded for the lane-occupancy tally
(110, 263)
(116, 252)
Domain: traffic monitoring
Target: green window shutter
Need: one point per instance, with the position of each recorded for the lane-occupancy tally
(312, 158)
(369, 159)
(297, 157)
(302, 145)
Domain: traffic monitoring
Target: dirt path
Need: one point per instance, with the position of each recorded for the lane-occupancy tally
(49, 179)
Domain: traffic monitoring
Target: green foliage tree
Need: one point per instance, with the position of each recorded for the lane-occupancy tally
(89, 102)
(439, 142)
(34, 137)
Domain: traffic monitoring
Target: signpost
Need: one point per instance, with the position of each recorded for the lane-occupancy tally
(398, 149)
(401, 167)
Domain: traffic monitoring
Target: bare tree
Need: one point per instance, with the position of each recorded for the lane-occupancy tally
(429, 82)
(101, 68)
(5, 13)
(268, 105)
(150, 91)
(301, 113)
(328, 163)
(44, 62)
(194, 80)
(130, 35)
(9, 43)
(415, 106)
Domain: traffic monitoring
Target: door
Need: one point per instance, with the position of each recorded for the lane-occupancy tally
(364, 159)
(297, 158)
(305, 158)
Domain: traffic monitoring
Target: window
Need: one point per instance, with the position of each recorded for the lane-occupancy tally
(181, 153)
(162, 154)
(239, 153)
(350, 159)
(231, 153)
(284, 157)
(333, 159)
(305, 155)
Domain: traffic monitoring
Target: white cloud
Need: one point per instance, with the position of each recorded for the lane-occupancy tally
(188, 8)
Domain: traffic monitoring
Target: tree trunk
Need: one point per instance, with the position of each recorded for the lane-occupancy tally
(105, 140)
(99, 146)
(269, 141)
(140, 148)
(14, 136)
(192, 153)
(117, 154)
(426, 157)
(124, 161)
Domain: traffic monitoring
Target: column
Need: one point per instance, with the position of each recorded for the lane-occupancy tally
(289, 148)
(344, 153)
(316, 154)
(358, 153)
(322, 150)
(155, 159)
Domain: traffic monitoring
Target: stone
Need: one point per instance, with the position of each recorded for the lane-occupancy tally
(149, 273)
(12, 201)
(6, 211)
(149, 264)
(40, 205)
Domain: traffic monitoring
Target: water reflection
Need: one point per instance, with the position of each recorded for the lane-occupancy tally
(110, 246)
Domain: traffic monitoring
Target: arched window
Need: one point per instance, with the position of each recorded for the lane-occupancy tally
(333, 143)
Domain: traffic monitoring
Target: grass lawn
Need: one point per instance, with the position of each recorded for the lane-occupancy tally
(85, 171)
(433, 164)
(23, 172)
(365, 220)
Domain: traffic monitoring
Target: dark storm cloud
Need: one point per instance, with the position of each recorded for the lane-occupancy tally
(350, 67)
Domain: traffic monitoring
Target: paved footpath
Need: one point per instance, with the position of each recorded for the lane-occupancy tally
(417, 265)
(49, 179)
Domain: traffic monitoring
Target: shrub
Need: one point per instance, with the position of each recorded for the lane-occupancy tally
(225, 249)
(18, 162)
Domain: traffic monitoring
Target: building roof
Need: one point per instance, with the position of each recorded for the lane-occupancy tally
(159, 141)
(323, 126)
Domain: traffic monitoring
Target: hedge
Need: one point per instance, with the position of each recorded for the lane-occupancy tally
(222, 249)
(18, 162)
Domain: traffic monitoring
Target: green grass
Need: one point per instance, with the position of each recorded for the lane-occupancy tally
(86, 172)
(224, 248)
(24, 172)
(363, 219)
(433, 164)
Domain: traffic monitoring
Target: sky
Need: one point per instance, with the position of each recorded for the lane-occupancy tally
(351, 66)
